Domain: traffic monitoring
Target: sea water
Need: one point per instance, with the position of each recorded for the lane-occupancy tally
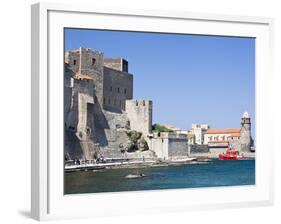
(212, 174)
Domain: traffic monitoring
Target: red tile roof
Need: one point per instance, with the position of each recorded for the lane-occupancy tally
(223, 131)
(235, 135)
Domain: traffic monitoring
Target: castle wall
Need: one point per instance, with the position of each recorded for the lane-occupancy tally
(79, 100)
(169, 146)
(85, 96)
(139, 113)
(177, 147)
(160, 147)
(72, 146)
(118, 87)
(112, 136)
(119, 64)
(68, 97)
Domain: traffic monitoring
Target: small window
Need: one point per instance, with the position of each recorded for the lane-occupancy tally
(125, 91)
(74, 62)
(120, 103)
(93, 61)
(104, 100)
(118, 90)
(109, 101)
(114, 101)
(110, 88)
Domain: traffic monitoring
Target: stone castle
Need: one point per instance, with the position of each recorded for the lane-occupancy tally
(98, 106)
(99, 112)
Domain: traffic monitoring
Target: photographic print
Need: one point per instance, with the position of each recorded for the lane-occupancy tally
(152, 111)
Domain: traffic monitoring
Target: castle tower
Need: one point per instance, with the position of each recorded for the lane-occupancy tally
(139, 113)
(86, 63)
(245, 132)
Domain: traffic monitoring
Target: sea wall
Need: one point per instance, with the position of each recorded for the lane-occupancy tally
(169, 146)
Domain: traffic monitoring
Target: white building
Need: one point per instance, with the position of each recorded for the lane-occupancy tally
(199, 130)
(221, 137)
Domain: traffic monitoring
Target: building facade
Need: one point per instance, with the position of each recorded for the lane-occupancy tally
(234, 138)
(221, 137)
(199, 131)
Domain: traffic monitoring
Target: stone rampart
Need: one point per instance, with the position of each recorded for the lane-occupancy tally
(169, 145)
(139, 113)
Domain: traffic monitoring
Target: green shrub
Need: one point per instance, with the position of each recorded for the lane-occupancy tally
(160, 128)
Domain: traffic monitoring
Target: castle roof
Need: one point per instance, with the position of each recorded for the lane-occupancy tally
(223, 131)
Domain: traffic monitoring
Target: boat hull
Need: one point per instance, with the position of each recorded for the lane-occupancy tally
(230, 157)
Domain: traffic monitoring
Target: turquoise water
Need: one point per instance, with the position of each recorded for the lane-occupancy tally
(213, 174)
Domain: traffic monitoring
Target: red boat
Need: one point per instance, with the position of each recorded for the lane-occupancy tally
(231, 154)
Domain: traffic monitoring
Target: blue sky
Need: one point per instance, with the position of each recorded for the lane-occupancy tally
(189, 78)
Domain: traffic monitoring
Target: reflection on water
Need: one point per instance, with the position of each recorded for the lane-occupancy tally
(215, 173)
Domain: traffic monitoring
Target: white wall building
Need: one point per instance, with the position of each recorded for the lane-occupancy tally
(199, 130)
(221, 137)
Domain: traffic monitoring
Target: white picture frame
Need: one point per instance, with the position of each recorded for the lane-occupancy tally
(48, 200)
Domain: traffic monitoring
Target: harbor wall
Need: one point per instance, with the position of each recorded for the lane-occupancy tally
(169, 146)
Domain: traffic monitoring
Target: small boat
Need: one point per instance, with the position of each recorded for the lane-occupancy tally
(231, 154)
(135, 176)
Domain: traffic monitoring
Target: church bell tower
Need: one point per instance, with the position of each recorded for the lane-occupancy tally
(246, 139)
